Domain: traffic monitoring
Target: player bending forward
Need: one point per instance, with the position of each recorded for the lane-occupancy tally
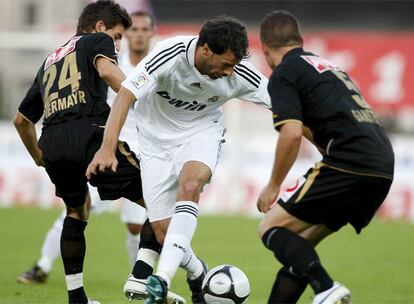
(180, 87)
(312, 97)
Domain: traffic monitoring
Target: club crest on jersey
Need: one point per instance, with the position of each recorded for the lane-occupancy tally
(140, 81)
(196, 85)
(213, 99)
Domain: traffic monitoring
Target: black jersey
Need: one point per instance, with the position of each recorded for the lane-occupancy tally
(68, 86)
(310, 89)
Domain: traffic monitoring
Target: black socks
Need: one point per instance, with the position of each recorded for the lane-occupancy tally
(73, 248)
(148, 240)
(287, 288)
(294, 251)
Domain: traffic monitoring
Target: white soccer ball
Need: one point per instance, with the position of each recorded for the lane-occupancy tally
(226, 284)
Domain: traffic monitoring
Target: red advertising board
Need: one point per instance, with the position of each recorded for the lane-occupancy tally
(380, 63)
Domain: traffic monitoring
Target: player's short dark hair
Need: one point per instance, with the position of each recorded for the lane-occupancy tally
(280, 28)
(144, 14)
(224, 33)
(109, 12)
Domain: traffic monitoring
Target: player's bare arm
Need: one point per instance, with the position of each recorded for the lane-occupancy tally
(27, 133)
(105, 156)
(109, 72)
(287, 149)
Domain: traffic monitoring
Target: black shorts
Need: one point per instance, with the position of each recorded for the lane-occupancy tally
(335, 198)
(67, 151)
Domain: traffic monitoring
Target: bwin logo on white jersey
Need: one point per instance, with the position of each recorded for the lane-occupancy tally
(186, 105)
(196, 85)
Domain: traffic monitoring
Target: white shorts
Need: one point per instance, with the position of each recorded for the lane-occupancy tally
(160, 171)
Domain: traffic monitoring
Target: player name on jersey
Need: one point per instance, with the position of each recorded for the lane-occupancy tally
(64, 103)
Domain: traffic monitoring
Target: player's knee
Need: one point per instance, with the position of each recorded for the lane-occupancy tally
(134, 228)
(189, 189)
(263, 227)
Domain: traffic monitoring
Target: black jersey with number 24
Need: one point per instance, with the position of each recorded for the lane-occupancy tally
(67, 85)
(314, 91)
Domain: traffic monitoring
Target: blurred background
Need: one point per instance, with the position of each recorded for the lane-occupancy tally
(372, 40)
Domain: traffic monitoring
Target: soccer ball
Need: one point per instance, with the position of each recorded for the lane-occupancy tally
(226, 284)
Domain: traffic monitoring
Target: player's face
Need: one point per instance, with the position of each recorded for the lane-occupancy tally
(116, 34)
(218, 65)
(139, 34)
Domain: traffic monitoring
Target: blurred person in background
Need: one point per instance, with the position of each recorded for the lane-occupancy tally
(180, 87)
(312, 97)
(70, 92)
(139, 37)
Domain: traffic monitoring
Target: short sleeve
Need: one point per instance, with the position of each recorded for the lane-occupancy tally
(252, 84)
(139, 82)
(284, 94)
(31, 106)
(103, 46)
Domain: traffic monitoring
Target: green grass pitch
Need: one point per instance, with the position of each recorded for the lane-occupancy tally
(377, 266)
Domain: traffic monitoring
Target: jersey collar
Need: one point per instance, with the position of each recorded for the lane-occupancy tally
(294, 51)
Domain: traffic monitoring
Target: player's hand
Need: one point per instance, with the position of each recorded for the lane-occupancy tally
(267, 197)
(102, 160)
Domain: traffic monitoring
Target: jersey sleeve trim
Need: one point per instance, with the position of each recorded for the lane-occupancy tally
(164, 56)
(101, 55)
(248, 74)
(25, 117)
(279, 123)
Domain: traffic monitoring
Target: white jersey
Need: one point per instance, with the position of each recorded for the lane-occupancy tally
(129, 130)
(175, 102)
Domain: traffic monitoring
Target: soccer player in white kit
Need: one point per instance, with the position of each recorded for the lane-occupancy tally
(139, 36)
(180, 87)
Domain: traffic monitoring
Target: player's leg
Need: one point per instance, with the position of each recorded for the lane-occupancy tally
(279, 232)
(289, 286)
(149, 250)
(49, 253)
(194, 175)
(73, 247)
(287, 230)
(194, 167)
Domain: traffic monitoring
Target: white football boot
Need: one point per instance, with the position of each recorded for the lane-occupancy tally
(93, 302)
(134, 289)
(337, 294)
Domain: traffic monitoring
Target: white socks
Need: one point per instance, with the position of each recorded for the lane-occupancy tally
(51, 245)
(177, 240)
(132, 245)
(191, 264)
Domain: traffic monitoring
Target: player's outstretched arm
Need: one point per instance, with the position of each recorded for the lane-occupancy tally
(27, 133)
(110, 73)
(105, 157)
(287, 149)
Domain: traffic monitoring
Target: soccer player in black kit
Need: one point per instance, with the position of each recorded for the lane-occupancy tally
(70, 92)
(312, 97)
